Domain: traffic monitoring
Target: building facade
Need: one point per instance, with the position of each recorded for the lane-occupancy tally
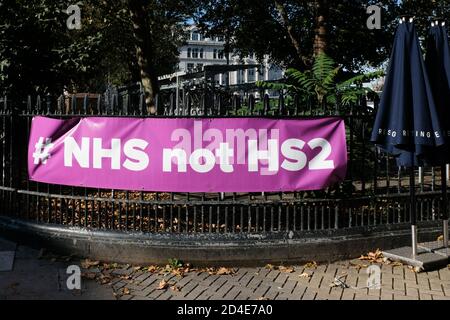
(200, 51)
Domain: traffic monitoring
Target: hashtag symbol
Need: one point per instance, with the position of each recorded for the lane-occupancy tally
(42, 150)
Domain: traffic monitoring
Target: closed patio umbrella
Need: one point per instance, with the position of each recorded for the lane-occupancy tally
(438, 67)
(407, 123)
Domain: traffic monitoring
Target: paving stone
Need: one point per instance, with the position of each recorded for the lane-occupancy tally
(140, 298)
(348, 295)
(412, 292)
(386, 296)
(435, 285)
(437, 297)
(444, 274)
(315, 281)
(309, 294)
(298, 291)
(32, 277)
(232, 294)
(403, 297)
(399, 285)
(425, 296)
(261, 291)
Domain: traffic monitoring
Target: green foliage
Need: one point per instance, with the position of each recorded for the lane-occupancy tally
(256, 27)
(175, 263)
(321, 83)
(38, 53)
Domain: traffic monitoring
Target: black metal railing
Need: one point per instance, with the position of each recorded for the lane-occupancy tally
(374, 194)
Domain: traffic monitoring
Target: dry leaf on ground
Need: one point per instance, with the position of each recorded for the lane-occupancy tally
(358, 265)
(286, 269)
(175, 289)
(224, 271)
(440, 238)
(163, 284)
(311, 265)
(126, 291)
(305, 275)
(104, 279)
(376, 256)
(86, 264)
(152, 269)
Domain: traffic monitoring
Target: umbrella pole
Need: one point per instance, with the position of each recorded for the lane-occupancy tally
(412, 193)
(444, 204)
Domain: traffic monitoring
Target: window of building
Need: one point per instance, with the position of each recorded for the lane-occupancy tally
(190, 67)
(201, 53)
(215, 54)
(189, 52)
(195, 53)
(220, 54)
(195, 36)
(199, 66)
(220, 38)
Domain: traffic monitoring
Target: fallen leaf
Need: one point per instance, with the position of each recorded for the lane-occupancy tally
(224, 271)
(137, 268)
(152, 269)
(311, 265)
(415, 269)
(105, 279)
(305, 275)
(126, 291)
(440, 238)
(175, 288)
(358, 265)
(86, 264)
(286, 269)
(269, 266)
(376, 256)
(163, 284)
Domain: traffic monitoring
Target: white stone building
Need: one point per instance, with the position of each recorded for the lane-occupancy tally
(200, 51)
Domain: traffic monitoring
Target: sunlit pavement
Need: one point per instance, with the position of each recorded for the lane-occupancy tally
(39, 275)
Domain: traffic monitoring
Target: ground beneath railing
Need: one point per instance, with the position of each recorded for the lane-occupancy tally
(39, 275)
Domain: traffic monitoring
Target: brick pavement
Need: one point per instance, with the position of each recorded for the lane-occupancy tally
(45, 278)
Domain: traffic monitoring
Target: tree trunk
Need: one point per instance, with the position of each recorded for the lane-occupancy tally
(145, 53)
(320, 38)
(302, 60)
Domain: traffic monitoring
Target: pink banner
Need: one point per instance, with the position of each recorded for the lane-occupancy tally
(188, 155)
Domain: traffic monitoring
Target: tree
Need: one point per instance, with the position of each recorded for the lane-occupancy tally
(152, 21)
(292, 32)
(39, 54)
